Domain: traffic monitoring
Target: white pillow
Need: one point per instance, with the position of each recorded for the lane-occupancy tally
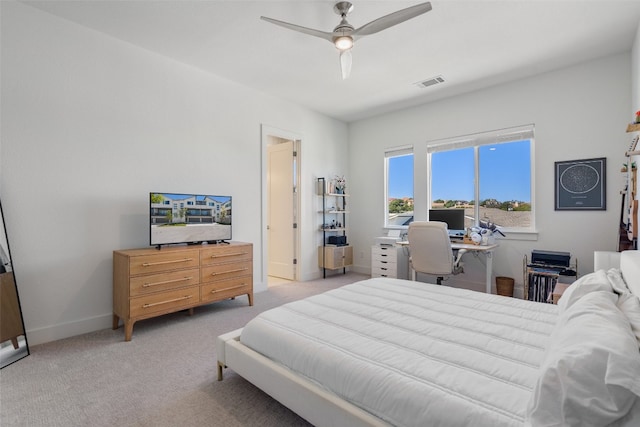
(628, 303)
(590, 374)
(630, 307)
(630, 266)
(614, 275)
(593, 282)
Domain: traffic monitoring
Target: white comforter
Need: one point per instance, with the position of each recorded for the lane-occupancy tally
(411, 353)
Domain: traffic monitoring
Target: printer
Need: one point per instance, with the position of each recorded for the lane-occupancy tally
(558, 262)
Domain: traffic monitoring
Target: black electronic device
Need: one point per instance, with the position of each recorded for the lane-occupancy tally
(552, 262)
(188, 218)
(550, 258)
(337, 240)
(453, 217)
(544, 271)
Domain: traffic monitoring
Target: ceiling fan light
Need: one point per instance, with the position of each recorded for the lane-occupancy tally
(343, 42)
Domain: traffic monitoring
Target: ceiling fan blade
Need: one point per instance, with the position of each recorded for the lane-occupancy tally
(345, 63)
(392, 19)
(317, 33)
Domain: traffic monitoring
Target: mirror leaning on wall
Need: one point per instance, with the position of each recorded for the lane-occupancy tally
(13, 340)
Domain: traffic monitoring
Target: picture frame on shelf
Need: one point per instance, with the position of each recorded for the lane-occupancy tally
(580, 185)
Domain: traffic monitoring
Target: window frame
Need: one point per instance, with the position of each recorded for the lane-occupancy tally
(501, 136)
(390, 153)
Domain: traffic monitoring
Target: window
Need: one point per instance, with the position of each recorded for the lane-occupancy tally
(399, 187)
(452, 181)
(500, 163)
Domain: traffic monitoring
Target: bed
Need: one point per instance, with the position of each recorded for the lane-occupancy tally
(394, 352)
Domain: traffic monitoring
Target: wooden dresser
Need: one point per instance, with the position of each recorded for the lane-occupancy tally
(151, 282)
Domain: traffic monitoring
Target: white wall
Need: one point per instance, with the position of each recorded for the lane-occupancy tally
(91, 125)
(579, 112)
(635, 88)
(635, 74)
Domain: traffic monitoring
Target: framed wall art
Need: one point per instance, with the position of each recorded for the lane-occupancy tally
(581, 185)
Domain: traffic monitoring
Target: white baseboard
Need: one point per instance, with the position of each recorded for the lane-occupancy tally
(69, 329)
(260, 287)
(361, 269)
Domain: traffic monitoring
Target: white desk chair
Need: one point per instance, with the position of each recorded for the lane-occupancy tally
(430, 250)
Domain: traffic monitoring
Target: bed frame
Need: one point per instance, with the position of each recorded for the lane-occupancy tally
(306, 398)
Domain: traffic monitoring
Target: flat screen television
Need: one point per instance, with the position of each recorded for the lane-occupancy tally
(188, 218)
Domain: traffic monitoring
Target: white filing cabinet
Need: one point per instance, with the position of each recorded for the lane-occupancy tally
(389, 261)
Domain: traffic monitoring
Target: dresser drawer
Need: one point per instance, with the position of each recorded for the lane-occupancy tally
(384, 253)
(383, 275)
(141, 285)
(382, 260)
(227, 270)
(225, 254)
(165, 302)
(158, 262)
(386, 271)
(226, 289)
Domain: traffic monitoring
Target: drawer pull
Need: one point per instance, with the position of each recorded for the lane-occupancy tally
(166, 302)
(229, 254)
(228, 289)
(173, 261)
(229, 271)
(148, 285)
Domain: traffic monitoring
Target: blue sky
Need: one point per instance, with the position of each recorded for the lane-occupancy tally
(505, 171)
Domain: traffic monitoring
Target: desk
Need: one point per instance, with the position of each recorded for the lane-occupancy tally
(487, 250)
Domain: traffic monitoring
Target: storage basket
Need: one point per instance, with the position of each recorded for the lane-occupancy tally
(504, 286)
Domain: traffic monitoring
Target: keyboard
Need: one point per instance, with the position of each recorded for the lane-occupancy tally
(456, 234)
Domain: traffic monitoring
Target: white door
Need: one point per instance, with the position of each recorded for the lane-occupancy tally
(281, 210)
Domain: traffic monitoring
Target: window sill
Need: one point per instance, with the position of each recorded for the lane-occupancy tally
(530, 236)
(519, 235)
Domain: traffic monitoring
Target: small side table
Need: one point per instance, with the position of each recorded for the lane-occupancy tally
(558, 291)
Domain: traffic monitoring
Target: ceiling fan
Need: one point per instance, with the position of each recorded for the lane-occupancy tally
(344, 34)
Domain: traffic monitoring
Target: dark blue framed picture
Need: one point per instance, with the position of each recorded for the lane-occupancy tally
(581, 185)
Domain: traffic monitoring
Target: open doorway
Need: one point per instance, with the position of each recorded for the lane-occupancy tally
(281, 178)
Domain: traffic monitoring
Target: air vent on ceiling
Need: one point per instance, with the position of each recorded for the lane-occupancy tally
(430, 82)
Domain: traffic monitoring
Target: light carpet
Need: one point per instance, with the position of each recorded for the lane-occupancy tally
(165, 376)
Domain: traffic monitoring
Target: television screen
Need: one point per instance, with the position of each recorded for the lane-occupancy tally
(188, 218)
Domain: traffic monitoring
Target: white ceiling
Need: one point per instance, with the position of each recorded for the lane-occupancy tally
(472, 44)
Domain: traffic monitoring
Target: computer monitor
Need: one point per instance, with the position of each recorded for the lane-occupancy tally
(454, 217)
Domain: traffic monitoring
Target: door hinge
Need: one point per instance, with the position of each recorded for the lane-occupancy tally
(295, 261)
(295, 225)
(295, 154)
